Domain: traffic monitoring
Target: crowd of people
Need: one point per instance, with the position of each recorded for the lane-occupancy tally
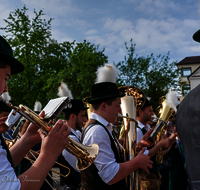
(109, 170)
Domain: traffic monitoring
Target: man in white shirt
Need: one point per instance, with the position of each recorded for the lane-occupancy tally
(53, 143)
(107, 171)
(144, 115)
(74, 114)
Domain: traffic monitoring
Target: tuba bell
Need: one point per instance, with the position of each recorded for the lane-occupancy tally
(130, 103)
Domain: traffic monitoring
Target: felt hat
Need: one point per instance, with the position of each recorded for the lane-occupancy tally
(6, 55)
(147, 103)
(103, 91)
(4, 107)
(75, 104)
(196, 36)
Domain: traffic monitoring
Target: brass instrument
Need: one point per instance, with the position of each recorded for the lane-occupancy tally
(89, 110)
(133, 101)
(164, 114)
(85, 154)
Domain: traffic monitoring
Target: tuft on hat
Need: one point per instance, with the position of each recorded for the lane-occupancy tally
(37, 107)
(6, 55)
(105, 87)
(64, 91)
(6, 96)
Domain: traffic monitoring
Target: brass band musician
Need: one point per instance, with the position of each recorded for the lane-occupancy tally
(55, 141)
(107, 171)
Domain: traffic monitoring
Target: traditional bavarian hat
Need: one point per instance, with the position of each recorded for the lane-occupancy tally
(105, 87)
(75, 104)
(6, 55)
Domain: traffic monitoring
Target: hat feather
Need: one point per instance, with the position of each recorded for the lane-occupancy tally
(64, 91)
(172, 100)
(37, 106)
(107, 73)
(6, 96)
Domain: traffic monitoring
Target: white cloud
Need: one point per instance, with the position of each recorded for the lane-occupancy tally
(91, 32)
(116, 24)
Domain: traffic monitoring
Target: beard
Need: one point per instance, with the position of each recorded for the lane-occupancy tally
(78, 124)
(147, 117)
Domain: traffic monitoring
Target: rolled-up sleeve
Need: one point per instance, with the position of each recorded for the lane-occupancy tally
(105, 161)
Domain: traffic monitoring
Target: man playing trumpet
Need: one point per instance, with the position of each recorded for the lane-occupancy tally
(52, 145)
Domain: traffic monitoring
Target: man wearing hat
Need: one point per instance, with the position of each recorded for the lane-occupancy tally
(149, 181)
(107, 171)
(54, 142)
(74, 114)
(188, 128)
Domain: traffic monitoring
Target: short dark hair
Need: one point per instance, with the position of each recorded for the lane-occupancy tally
(69, 112)
(96, 106)
(137, 114)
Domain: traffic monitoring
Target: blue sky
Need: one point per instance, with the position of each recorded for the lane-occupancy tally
(156, 26)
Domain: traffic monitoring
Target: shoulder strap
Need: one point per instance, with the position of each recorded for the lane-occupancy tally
(144, 131)
(113, 146)
(75, 136)
(9, 157)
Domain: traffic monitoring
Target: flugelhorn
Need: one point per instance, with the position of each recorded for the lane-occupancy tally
(85, 154)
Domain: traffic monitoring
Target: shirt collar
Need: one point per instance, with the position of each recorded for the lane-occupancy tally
(74, 132)
(101, 120)
(147, 126)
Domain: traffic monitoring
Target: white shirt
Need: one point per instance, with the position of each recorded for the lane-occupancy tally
(8, 178)
(105, 161)
(71, 159)
(140, 134)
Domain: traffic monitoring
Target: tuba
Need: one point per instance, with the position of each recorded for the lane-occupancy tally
(85, 154)
(165, 115)
(133, 101)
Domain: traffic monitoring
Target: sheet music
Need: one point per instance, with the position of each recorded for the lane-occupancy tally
(13, 118)
(53, 105)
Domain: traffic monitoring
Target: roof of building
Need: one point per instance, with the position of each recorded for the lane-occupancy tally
(190, 60)
(196, 73)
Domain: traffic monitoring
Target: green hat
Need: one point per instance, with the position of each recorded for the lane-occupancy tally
(103, 91)
(4, 107)
(196, 36)
(6, 56)
(75, 104)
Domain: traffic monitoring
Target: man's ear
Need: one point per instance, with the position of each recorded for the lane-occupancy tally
(72, 117)
(103, 106)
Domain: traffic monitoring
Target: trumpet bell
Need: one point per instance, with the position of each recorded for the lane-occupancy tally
(92, 152)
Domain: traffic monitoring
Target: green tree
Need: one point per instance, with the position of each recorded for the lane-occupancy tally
(153, 75)
(46, 61)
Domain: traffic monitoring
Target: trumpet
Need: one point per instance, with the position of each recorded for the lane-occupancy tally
(85, 154)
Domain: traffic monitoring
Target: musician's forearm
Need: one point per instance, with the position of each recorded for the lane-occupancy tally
(20, 149)
(34, 177)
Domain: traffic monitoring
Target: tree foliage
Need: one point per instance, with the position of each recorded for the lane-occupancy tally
(46, 61)
(153, 75)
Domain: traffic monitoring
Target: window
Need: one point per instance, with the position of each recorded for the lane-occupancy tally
(186, 71)
(185, 89)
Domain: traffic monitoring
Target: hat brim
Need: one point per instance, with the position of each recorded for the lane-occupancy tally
(15, 65)
(96, 100)
(196, 36)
